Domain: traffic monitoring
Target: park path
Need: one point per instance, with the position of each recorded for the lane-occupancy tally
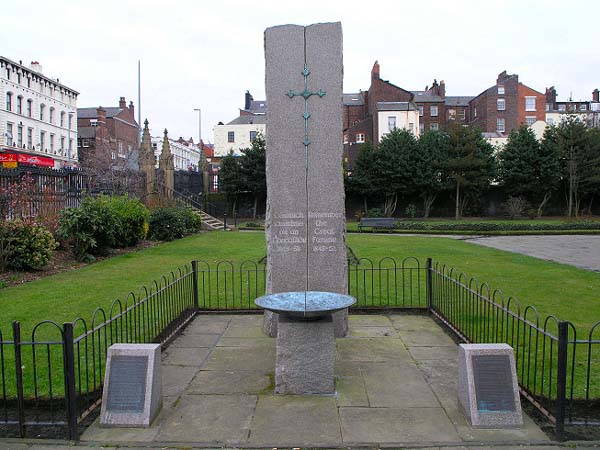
(581, 251)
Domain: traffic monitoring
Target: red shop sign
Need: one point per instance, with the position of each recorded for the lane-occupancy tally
(8, 157)
(35, 160)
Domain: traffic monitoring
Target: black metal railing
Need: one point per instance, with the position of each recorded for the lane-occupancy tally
(53, 376)
(54, 379)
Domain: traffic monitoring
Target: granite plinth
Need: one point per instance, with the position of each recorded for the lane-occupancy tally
(305, 356)
(488, 390)
(132, 394)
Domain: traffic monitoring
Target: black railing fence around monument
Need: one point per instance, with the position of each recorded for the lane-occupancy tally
(51, 375)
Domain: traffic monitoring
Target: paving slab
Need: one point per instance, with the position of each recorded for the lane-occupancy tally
(210, 325)
(247, 358)
(426, 337)
(369, 320)
(351, 391)
(195, 340)
(247, 342)
(193, 357)
(372, 349)
(373, 331)
(94, 433)
(295, 420)
(396, 426)
(243, 331)
(428, 353)
(408, 322)
(393, 385)
(176, 378)
(232, 382)
(218, 419)
(246, 320)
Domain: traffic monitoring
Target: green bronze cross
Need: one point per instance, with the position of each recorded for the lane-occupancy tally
(306, 94)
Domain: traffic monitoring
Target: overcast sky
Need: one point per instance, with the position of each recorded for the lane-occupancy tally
(206, 54)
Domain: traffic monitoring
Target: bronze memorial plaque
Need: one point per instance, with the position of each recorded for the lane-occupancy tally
(493, 383)
(127, 384)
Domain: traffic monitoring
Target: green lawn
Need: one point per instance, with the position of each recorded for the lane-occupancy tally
(565, 291)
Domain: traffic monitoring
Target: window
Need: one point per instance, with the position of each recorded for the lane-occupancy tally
(252, 135)
(550, 121)
(9, 135)
(7, 73)
(51, 118)
(70, 147)
(42, 140)
(433, 111)
(346, 138)
(434, 126)
(360, 138)
(451, 114)
(391, 123)
(583, 107)
(29, 108)
(29, 138)
(461, 114)
(62, 118)
(421, 128)
(18, 78)
(530, 120)
(562, 107)
(500, 125)
(547, 106)
(529, 103)
(28, 82)
(501, 104)
(420, 110)
(93, 122)
(475, 111)
(20, 136)
(62, 143)
(500, 89)
(9, 101)
(231, 136)
(19, 105)
(70, 121)
(51, 142)
(42, 108)
(411, 126)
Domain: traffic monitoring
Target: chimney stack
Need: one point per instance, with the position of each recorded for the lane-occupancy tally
(596, 95)
(132, 110)
(248, 100)
(35, 66)
(375, 71)
(122, 103)
(551, 95)
(442, 89)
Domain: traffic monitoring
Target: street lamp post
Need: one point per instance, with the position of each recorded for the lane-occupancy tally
(199, 125)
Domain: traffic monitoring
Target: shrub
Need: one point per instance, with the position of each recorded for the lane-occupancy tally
(133, 217)
(91, 228)
(173, 222)
(375, 212)
(24, 246)
(516, 207)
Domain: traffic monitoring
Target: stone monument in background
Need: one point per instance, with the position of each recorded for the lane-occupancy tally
(305, 219)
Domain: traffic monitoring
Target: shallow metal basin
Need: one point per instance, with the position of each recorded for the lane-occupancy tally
(305, 304)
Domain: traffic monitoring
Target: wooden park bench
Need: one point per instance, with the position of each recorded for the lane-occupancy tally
(377, 223)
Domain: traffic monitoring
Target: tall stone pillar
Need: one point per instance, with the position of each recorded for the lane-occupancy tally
(147, 161)
(167, 166)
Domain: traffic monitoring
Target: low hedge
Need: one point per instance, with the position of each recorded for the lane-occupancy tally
(497, 226)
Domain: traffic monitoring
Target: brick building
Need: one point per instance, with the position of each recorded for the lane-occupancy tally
(110, 135)
(506, 106)
(587, 111)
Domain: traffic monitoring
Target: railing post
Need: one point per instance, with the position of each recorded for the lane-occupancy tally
(225, 221)
(70, 395)
(195, 285)
(429, 284)
(561, 380)
(16, 328)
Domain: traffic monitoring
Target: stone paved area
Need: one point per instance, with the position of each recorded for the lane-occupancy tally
(395, 380)
(579, 251)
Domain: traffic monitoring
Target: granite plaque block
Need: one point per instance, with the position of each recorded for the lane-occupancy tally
(488, 390)
(305, 217)
(132, 394)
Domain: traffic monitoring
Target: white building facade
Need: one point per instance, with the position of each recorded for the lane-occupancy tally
(392, 115)
(38, 118)
(238, 134)
(185, 157)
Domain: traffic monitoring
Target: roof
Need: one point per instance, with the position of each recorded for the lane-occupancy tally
(396, 106)
(257, 107)
(424, 96)
(39, 74)
(353, 99)
(493, 135)
(458, 100)
(245, 120)
(92, 113)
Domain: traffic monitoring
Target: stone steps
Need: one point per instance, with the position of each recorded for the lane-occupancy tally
(209, 222)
